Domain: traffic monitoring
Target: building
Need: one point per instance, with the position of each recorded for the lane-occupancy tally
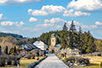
(53, 42)
(41, 45)
(27, 48)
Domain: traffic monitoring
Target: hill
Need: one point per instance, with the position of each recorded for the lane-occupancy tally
(10, 34)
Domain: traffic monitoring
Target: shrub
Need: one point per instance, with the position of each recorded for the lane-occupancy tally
(101, 64)
(2, 61)
(62, 55)
(43, 55)
(37, 58)
(29, 56)
(78, 60)
(9, 60)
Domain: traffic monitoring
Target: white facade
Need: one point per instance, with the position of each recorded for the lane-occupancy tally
(40, 45)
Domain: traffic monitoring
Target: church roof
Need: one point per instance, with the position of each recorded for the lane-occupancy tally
(28, 46)
(53, 34)
(39, 43)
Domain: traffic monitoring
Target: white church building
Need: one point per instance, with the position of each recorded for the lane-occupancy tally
(41, 45)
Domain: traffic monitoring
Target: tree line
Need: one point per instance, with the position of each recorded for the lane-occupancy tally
(72, 38)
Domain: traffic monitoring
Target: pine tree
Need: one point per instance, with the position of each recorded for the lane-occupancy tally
(65, 28)
(15, 49)
(91, 47)
(72, 36)
(6, 50)
(80, 40)
(72, 27)
(0, 49)
(64, 37)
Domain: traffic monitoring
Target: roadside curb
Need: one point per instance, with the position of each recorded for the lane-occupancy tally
(70, 66)
(32, 65)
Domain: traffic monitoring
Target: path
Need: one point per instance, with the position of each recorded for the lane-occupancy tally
(52, 61)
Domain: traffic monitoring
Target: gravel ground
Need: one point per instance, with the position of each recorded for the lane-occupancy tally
(51, 61)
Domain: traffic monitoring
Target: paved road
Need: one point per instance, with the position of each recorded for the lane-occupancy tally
(51, 61)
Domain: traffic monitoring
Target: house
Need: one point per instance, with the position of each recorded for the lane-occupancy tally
(27, 48)
(41, 45)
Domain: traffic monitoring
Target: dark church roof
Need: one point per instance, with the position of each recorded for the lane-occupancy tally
(29, 46)
(53, 34)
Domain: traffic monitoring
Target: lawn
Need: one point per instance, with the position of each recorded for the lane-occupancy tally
(23, 63)
(95, 63)
(92, 65)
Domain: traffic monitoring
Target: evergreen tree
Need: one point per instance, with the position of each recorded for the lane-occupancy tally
(99, 45)
(80, 40)
(11, 50)
(64, 37)
(0, 49)
(65, 28)
(15, 49)
(72, 36)
(6, 50)
(72, 27)
(91, 47)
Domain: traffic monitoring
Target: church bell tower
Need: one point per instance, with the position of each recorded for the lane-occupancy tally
(53, 41)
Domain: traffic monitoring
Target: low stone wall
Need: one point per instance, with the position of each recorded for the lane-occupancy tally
(32, 65)
(70, 66)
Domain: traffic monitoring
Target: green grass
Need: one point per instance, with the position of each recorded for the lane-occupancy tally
(91, 66)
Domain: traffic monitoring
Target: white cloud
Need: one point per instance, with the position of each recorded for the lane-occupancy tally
(39, 13)
(55, 20)
(46, 10)
(71, 12)
(89, 5)
(30, 10)
(32, 19)
(89, 26)
(9, 23)
(98, 23)
(21, 2)
(20, 24)
(54, 23)
(1, 17)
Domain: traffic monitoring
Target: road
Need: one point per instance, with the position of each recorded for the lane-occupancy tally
(52, 61)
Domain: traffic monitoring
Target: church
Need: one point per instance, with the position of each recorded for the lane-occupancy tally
(55, 48)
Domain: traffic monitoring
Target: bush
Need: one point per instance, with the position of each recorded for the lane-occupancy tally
(29, 56)
(101, 64)
(78, 60)
(62, 55)
(9, 60)
(2, 61)
(37, 58)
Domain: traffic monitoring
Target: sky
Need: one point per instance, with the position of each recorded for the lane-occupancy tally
(31, 18)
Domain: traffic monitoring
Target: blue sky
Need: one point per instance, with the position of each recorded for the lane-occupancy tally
(31, 18)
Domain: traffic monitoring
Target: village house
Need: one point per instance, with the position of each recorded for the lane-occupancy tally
(27, 48)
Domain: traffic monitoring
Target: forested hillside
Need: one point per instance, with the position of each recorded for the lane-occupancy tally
(10, 34)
